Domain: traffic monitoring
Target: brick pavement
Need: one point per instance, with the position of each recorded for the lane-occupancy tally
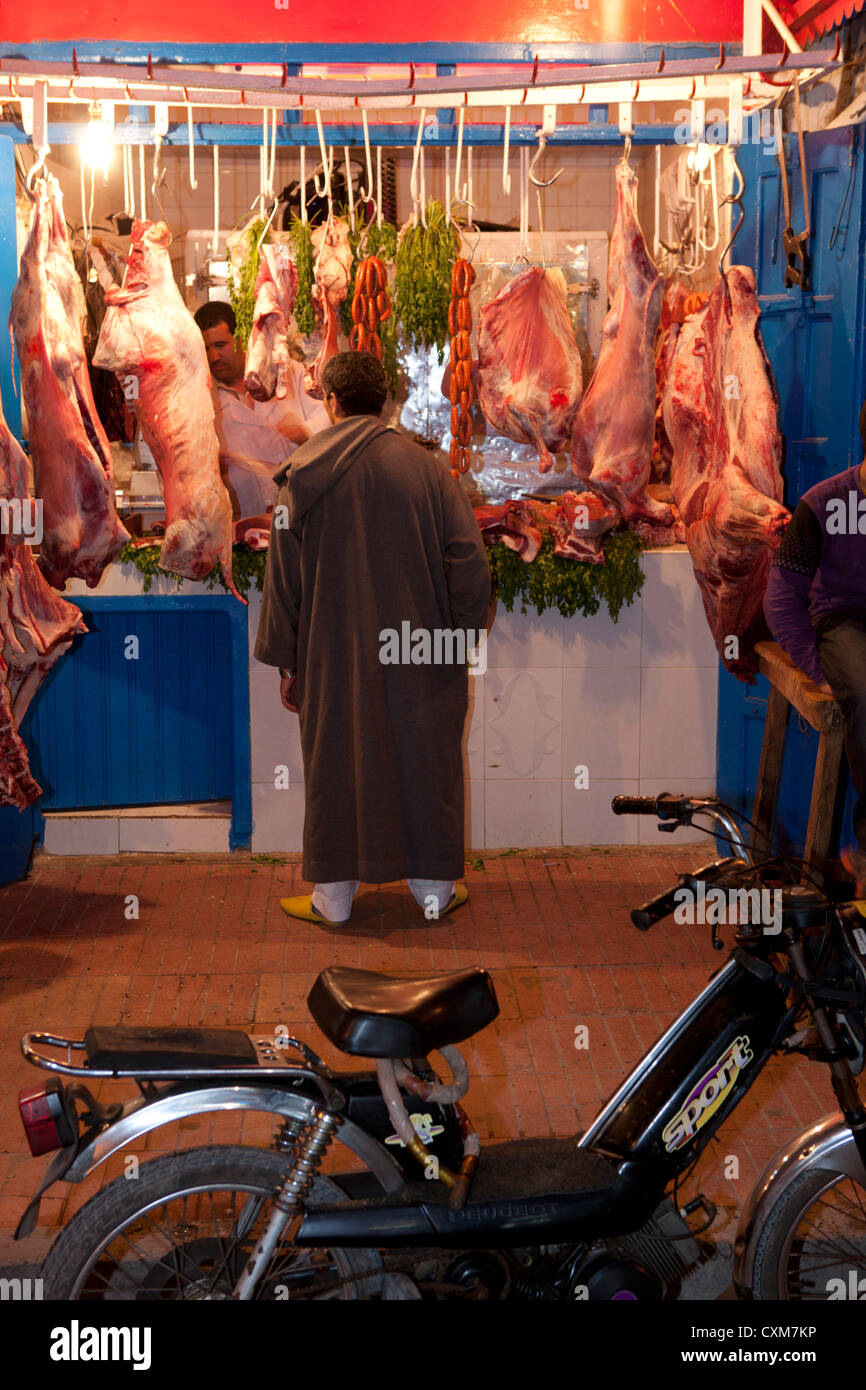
(211, 946)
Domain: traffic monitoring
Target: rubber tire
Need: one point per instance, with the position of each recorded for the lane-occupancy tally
(100, 1219)
(784, 1217)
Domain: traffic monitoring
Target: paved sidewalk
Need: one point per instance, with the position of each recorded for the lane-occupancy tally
(211, 945)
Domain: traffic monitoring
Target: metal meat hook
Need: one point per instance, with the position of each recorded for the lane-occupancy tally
(735, 199)
(541, 183)
(463, 231)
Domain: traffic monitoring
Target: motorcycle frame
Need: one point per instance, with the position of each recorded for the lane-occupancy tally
(628, 1132)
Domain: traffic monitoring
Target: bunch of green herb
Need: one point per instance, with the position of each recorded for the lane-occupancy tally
(572, 586)
(425, 258)
(248, 566)
(302, 244)
(242, 291)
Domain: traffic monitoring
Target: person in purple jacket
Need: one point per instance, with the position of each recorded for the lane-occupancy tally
(815, 606)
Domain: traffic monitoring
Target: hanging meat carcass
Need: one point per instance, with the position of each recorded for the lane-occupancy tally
(71, 454)
(333, 267)
(36, 624)
(720, 416)
(148, 333)
(529, 371)
(612, 442)
(267, 364)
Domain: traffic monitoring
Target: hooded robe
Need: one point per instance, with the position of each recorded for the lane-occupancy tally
(379, 535)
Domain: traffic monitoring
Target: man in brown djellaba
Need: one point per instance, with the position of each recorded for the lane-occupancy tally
(376, 588)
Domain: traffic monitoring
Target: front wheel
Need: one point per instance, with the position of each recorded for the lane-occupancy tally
(184, 1227)
(813, 1244)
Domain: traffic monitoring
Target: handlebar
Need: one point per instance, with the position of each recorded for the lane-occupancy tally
(679, 810)
(665, 903)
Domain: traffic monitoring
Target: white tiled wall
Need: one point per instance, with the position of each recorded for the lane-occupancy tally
(632, 702)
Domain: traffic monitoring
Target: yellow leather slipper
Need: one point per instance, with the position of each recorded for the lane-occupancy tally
(458, 898)
(303, 909)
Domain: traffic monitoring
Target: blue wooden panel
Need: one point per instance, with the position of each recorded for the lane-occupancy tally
(170, 725)
(816, 345)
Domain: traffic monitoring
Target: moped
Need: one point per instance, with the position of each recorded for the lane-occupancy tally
(424, 1211)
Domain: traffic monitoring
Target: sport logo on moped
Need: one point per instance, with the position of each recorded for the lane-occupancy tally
(710, 1093)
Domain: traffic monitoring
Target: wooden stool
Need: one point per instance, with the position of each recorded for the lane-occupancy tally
(789, 686)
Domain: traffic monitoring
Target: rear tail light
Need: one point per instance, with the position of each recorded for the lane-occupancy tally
(44, 1117)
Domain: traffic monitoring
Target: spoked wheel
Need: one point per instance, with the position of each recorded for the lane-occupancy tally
(813, 1245)
(184, 1229)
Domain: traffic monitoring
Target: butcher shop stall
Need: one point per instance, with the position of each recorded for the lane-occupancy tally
(615, 278)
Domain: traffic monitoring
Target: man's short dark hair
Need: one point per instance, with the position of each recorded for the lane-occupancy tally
(358, 381)
(863, 426)
(215, 312)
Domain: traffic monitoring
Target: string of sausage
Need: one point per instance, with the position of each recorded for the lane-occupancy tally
(370, 306)
(460, 388)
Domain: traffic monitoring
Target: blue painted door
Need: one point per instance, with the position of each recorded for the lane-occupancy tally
(816, 344)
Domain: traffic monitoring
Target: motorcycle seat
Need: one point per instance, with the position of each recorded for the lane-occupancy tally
(368, 1014)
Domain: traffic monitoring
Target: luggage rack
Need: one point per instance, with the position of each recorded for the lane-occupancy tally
(268, 1061)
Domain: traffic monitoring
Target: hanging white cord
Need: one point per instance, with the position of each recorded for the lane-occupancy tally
(325, 189)
(193, 183)
(349, 190)
(83, 203)
(714, 203)
(128, 205)
(304, 185)
(272, 165)
(524, 203)
(413, 180)
(215, 241)
(263, 164)
(656, 245)
(469, 186)
(366, 193)
(448, 218)
(423, 189)
(506, 177)
(142, 183)
(379, 185)
(458, 192)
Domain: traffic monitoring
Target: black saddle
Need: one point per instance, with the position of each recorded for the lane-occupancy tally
(369, 1014)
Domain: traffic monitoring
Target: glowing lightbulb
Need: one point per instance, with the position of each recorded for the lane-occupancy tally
(698, 158)
(96, 143)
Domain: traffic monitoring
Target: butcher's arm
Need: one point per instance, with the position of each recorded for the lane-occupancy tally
(786, 602)
(468, 569)
(276, 642)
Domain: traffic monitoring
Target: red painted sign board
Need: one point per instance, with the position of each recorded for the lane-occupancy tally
(511, 22)
(354, 21)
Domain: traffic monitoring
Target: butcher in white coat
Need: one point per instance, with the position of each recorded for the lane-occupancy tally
(256, 437)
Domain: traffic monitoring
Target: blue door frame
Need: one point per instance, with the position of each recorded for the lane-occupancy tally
(816, 345)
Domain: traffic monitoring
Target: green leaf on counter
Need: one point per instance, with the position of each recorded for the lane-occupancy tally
(571, 586)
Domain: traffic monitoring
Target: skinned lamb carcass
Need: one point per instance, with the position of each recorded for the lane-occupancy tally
(529, 369)
(672, 318)
(36, 624)
(612, 442)
(149, 333)
(71, 454)
(333, 267)
(267, 364)
(720, 416)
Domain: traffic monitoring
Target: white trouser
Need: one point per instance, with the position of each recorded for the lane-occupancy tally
(334, 900)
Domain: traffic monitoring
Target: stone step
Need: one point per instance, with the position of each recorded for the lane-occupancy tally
(198, 827)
